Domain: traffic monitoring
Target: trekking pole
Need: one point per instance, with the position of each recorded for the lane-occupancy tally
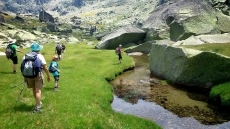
(17, 85)
(20, 94)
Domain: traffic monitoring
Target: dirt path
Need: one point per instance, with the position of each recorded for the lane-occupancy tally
(2, 54)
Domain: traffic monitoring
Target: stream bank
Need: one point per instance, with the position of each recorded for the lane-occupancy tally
(138, 85)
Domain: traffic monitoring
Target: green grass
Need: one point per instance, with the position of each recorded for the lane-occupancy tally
(221, 91)
(84, 97)
(221, 48)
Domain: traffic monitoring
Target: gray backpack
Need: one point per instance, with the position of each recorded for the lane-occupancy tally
(31, 65)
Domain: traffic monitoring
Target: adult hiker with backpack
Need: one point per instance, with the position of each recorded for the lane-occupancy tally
(118, 52)
(55, 71)
(58, 50)
(31, 67)
(11, 53)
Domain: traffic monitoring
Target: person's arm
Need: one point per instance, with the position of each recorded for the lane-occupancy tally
(19, 51)
(47, 72)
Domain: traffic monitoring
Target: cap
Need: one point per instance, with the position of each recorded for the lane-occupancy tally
(54, 57)
(120, 45)
(35, 46)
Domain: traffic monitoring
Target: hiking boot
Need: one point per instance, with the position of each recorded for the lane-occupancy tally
(14, 72)
(55, 89)
(37, 109)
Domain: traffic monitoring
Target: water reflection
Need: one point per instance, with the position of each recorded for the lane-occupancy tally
(162, 117)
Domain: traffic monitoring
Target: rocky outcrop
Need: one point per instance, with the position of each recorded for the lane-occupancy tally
(202, 39)
(179, 20)
(146, 47)
(123, 36)
(45, 17)
(2, 18)
(188, 66)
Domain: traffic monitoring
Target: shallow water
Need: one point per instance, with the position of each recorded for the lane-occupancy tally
(161, 116)
(137, 97)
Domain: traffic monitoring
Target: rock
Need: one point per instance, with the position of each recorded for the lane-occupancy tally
(179, 20)
(123, 36)
(202, 39)
(45, 17)
(188, 66)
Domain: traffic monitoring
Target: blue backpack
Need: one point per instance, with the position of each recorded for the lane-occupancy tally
(52, 69)
(31, 65)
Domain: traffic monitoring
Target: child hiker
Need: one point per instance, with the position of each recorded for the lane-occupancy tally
(54, 69)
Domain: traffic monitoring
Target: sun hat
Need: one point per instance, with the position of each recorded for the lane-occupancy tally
(54, 57)
(35, 46)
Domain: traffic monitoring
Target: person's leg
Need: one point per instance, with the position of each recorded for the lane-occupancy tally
(59, 55)
(37, 95)
(56, 79)
(15, 62)
(119, 58)
(39, 81)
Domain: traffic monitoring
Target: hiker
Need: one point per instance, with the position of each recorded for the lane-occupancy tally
(55, 71)
(13, 54)
(35, 82)
(58, 50)
(119, 51)
(63, 48)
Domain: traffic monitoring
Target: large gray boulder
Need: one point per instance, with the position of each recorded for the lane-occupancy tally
(180, 19)
(45, 17)
(203, 39)
(123, 36)
(188, 66)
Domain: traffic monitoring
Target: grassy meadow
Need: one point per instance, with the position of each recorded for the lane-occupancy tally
(84, 97)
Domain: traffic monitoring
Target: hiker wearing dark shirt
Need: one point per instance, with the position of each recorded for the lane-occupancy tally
(58, 50)
(119, 53)
(14, 57)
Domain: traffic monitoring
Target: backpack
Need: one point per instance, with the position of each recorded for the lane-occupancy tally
(59, 47)
(31, 65)
(52, 69)
(117, 50)
(9, 51)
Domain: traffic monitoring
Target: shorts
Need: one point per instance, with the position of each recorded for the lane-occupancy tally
(14, 59)
(59, 52)
(56, 78)
(37, 82)
(119, 56)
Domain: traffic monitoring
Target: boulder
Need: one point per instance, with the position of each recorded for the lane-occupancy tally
(188, 66)
(2, 18)
(123, 36)
(45, 17)
(183, 18)
(146, 47)
(202, 39)
(24, 35)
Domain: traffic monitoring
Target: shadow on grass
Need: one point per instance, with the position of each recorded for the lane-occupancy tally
(6, 73)
(23, 108)
(48, 88)
(116, 63)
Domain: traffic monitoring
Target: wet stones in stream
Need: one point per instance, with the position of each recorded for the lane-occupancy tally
(165, 95)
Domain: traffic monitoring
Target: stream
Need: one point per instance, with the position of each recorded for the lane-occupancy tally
(139, 93)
